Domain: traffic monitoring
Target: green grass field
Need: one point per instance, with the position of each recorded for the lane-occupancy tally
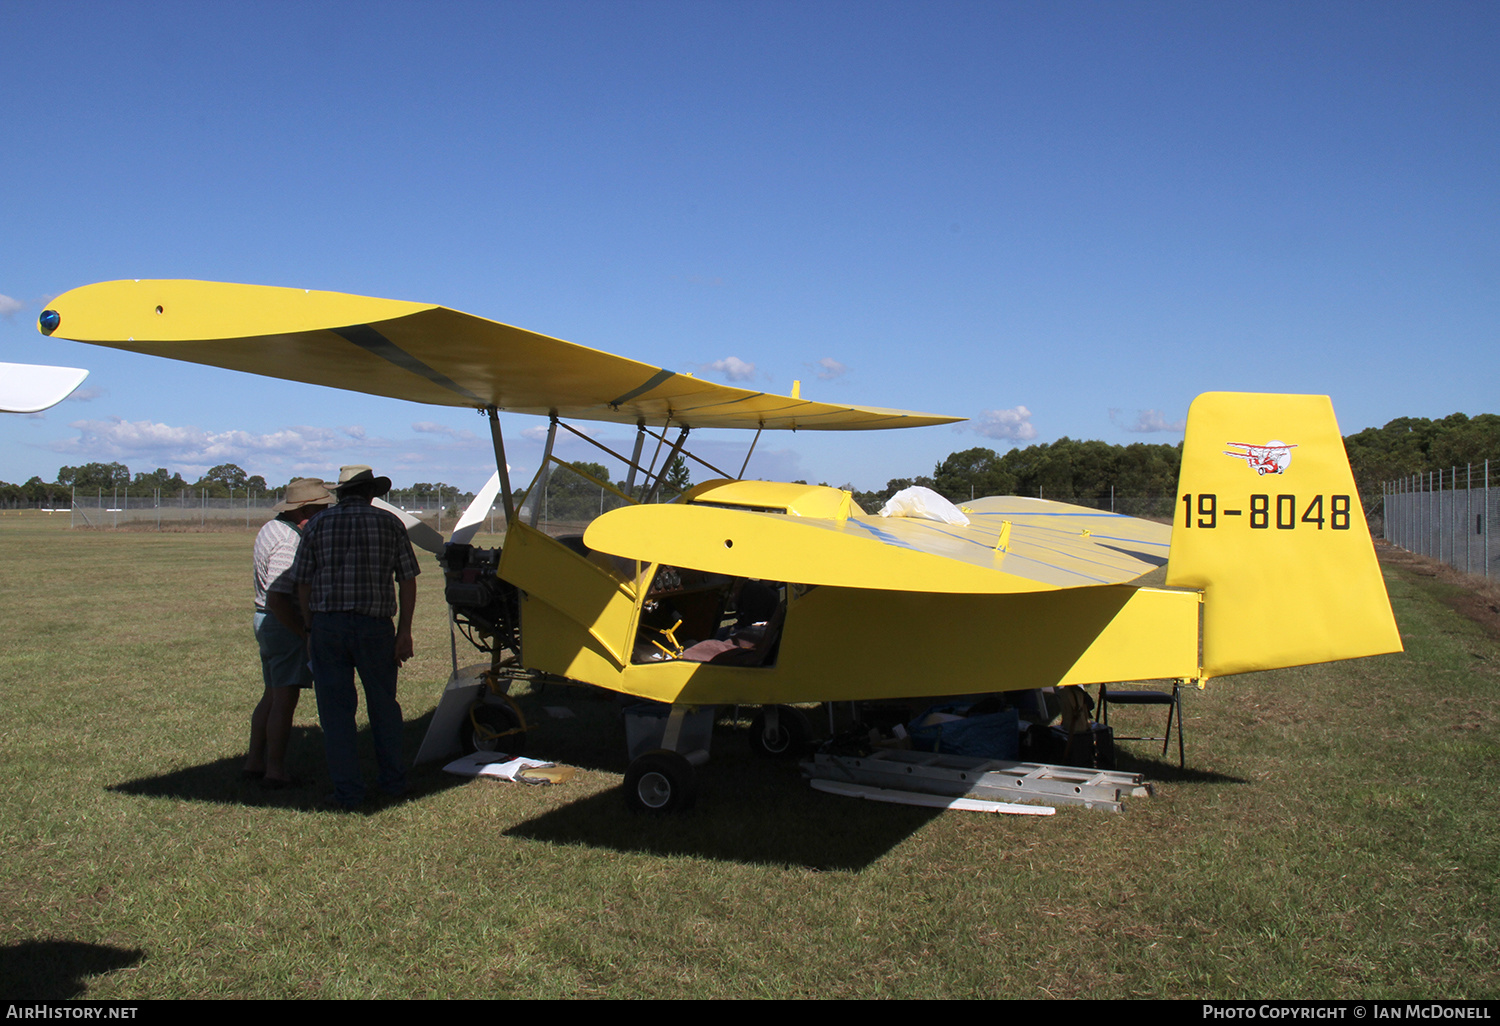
(1336, 834)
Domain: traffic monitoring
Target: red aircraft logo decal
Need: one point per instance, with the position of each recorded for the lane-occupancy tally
(1272, 458)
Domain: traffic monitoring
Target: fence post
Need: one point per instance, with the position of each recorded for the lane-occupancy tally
(1438, 516)
(1394, 533)
(1431, 518)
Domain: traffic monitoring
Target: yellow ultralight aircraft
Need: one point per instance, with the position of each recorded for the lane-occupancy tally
(612, 588)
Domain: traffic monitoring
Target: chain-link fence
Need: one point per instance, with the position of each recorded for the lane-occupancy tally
(248, 509)
(98, 508)
(1446, 515)
(1147, 507)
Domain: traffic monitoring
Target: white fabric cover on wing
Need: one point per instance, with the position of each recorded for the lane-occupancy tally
(924, 504)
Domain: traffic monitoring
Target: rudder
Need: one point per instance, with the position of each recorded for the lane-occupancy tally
(1269, 526)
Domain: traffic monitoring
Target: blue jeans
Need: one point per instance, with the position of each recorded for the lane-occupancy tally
(341, 644)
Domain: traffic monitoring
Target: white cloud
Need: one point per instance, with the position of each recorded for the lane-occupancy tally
(192, 448)
(538, 433)
(1146, 422)
(828, 368)
(733, 369)
(427, 427)
(1012, 425)
(83, 395)
(10, 307)
(433, 453)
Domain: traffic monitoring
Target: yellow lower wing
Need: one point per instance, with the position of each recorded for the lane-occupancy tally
(896, 554)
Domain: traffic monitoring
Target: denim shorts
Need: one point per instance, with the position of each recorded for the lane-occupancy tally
(283, 655)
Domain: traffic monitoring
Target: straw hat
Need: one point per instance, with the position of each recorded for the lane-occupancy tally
(305, 491)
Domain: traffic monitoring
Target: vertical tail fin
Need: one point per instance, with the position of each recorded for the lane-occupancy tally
(1269, 525)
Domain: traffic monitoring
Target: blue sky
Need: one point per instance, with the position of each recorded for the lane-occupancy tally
(1052, 218)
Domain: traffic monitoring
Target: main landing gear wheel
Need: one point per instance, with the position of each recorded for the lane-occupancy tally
(787, 740)
(661, 783)
(493, 728)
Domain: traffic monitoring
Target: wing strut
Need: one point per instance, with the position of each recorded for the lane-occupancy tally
(592, 441)
(500, 464)
(645, 484)
(635, 457)
(741, 476)
(541, 479)
(685, 453)
(661, 475)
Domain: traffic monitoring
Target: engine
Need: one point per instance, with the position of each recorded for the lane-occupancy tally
(486, 608)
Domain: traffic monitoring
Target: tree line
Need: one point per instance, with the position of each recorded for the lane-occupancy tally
(115, 479)
(1090, 473)
(1411, 446)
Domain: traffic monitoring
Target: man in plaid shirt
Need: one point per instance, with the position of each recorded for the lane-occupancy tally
(344, 571)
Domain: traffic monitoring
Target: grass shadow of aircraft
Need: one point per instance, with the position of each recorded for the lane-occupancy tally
(755, 817)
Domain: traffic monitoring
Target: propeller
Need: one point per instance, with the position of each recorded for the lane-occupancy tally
(32, 388)
(468, 524)
(424, 536)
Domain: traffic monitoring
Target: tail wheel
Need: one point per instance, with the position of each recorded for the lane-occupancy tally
(494, 728)
(660, 783)
(788, 739)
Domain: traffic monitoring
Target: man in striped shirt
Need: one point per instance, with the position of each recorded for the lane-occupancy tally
(345, 569)
(279, 632)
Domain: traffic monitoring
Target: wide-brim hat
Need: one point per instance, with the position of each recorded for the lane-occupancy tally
(357, 476)
(305, 491)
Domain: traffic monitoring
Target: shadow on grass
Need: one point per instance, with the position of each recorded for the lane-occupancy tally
(748, 811)
(53, 970)
(220, 781)
(1164, 770)
(753, 811)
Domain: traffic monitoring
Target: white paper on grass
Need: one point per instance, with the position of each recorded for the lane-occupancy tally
(492, 764)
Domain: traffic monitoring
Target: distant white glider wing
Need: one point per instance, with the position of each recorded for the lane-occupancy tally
(32, 388)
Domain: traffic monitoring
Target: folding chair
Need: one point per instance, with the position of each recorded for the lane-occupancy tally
(1172, 700)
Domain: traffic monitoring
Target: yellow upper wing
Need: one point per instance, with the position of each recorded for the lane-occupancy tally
(1047, 546)
(424, 353)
